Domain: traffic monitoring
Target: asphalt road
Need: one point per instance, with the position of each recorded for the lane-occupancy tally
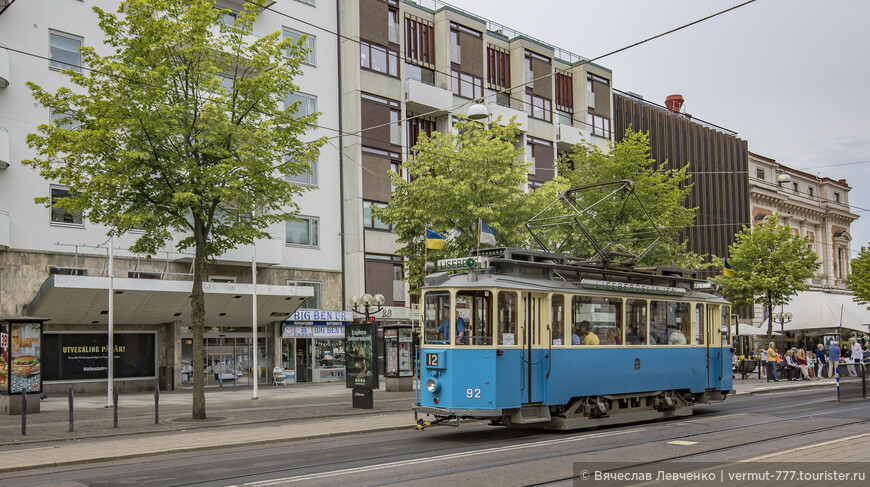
(478, 454)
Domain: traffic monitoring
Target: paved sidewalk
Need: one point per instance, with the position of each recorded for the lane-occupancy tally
(294, 412)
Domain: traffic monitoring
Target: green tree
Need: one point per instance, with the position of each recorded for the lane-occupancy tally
(771, 266)
(859, 280)
(183, 129)
(453, 179)
(661, 194)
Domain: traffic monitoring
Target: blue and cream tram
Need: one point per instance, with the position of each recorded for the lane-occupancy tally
(532, 339)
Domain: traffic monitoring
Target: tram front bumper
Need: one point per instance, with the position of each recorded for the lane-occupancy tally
(458, 413)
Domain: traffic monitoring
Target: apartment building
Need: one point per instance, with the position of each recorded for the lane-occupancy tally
(54, 263)
(415, 66)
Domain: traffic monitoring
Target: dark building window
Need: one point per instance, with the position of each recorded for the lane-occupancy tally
(564, 92)
(416, 126)
(378, 58)
(759, 173)
(539, 107)
(466, 85)
(498, 68)
(420, 41)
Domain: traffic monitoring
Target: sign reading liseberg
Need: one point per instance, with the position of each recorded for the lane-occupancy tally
(83, 356)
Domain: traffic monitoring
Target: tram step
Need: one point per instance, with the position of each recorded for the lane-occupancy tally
(533, 413)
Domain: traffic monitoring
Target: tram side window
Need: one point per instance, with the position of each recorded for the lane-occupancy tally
(596, 321)
(437, 309)
(635, 328)
(475, 309)
(507, 318)
(726, 325)
(699, 324)
(669, 323)
(558, 322)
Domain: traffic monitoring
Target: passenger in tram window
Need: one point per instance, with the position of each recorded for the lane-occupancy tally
(586, 334)
(631, 337)
(444, 328)
(675, 336)
(575, 338)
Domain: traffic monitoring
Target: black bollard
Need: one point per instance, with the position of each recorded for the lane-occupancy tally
(71, 409)
(23, 413)
(156, 403)
(115, 400)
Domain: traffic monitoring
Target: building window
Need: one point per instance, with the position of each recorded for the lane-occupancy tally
(393, 25)
(837, 197)
(810, 190)
(369, 220)
(307, 105)
(64, 51)
(565, 92)
(303, 231)
(377, 58)
(307, 2)
(419, 41)
(62, 120)
(395, 116)
(759, 172)
(313, 302)
(416, 126)
(498, 68)
(466, 85)
(223, 279)
(455, 50)
(310, 43)
(307, 177)
(423, 75)
(795, 186)
(539, 107)
(598, 125)
(58, 213)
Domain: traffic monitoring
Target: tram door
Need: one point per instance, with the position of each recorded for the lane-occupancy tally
(535, 310)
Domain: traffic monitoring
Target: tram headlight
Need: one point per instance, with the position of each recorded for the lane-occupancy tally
(433, 385)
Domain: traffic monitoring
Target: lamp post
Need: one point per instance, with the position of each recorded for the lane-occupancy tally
(366, 302)
(783, 319)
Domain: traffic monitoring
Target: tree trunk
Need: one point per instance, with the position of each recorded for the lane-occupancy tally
(197, 306)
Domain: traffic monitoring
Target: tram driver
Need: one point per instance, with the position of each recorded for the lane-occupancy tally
(444, 328)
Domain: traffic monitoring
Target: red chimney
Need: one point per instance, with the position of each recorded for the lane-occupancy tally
(674, 103)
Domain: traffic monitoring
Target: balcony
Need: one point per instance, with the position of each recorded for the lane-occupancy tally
(4, 68)
(4, 229)
(423, 98)
(5, 160)
(506, 114)
(269, 252)
(567, 136)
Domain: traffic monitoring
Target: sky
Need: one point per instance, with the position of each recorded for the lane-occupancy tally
(791, 77)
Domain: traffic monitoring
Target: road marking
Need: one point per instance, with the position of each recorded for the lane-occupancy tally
(420, 461)
(682, 442)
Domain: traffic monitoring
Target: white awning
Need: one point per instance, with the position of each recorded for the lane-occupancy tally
(815, 310)
(749, 330)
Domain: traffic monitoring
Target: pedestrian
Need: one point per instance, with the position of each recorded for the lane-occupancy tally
(820, 360)
(833, 359)
(763, 352)
(771, 363)
(857, 354)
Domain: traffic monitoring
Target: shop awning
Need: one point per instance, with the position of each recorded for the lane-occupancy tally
(749, 330)
(816, 310)
(70, 299)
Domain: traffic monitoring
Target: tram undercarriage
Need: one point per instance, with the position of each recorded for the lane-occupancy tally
(583, 412)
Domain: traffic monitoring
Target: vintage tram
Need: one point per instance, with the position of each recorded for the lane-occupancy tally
(530, 338)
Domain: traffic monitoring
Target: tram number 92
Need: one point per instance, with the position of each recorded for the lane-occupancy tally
(472, 393)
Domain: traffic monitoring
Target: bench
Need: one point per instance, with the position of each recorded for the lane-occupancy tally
(224, 377)
(746, 367)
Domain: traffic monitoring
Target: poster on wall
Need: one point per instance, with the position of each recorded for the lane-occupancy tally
(83, 356)
(360, 346)
(4, 357)
(25, 372)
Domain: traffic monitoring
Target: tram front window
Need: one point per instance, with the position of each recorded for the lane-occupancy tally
(436, 310)
(474, 308)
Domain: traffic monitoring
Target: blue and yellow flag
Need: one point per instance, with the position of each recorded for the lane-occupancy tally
(434, 240)
(729, 271)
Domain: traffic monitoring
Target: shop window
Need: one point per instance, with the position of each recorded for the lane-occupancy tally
(61, 215)
(312, 302)
(64, 51)
(307, 104)
(310, 42)
(303, 231)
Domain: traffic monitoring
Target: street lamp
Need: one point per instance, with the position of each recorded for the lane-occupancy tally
(366, 302)
(783, 319)
(478, 111)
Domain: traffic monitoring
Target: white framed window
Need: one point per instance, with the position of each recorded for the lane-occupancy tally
(305, 178)
(62, 120)
(64, 51)
(310, 43)
(369, 220)
(308, 2)
(307, 107)
(303, 231)
(313, 302)
(60, 215)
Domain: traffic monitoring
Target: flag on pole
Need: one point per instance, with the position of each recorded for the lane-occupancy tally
(729, 271)
(434, 240)
(487, 233)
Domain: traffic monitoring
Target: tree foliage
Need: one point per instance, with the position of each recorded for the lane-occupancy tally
(451, 180)
(859, 280)
(661, 193)
(771, 266)
(180, 131)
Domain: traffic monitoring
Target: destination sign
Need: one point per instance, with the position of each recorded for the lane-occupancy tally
(463, 263)
(631, 287)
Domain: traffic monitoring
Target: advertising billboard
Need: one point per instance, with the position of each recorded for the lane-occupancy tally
(83, 356)
(23, 357)
(360, 347)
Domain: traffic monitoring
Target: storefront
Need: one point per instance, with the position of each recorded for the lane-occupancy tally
(228, 356)
(313, 345)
